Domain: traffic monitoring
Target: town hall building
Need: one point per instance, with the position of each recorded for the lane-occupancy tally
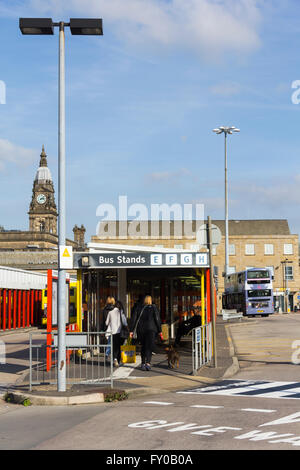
(37, 247)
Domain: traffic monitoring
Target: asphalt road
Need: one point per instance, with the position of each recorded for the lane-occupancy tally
(257, 409)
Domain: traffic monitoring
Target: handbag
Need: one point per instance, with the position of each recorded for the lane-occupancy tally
(135, 327)
(124, 333)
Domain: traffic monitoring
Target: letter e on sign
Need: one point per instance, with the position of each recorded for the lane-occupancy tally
(156, 259)
(65, 257)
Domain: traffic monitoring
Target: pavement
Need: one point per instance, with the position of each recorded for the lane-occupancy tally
(128, 379)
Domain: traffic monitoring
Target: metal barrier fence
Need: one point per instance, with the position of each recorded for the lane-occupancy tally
(201, 346)
(86, 360)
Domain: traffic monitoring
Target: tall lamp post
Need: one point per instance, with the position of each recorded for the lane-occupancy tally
(45, 26)
(226, 131)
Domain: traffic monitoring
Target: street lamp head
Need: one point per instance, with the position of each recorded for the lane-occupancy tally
(226, 130)
(36, 26)
(78, 26)
(86, 27)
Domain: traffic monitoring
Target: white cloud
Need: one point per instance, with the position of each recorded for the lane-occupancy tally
(203, 26)
(168, 176)
(281, 193)
(12, 153)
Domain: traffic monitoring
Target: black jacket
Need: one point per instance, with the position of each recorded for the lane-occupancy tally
(147, 318)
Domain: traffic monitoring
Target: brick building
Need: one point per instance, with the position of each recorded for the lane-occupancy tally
(263, 243)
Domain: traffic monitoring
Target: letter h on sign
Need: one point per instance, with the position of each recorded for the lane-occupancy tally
(201, 259)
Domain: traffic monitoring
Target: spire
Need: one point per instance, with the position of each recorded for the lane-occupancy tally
(43, 160)
(43, 173)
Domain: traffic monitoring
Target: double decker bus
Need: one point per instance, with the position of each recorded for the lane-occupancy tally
(250, 292)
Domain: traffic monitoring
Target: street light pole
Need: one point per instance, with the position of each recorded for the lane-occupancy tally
(83, 27)
(225, 131)
(226, 209)
(61, 288)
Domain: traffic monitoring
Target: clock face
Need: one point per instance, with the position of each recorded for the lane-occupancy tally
(41, 198)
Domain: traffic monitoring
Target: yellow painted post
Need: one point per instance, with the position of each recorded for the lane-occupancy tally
(202, 298)
(79, 300)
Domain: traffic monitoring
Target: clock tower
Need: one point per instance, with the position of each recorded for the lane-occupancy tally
(42, 210)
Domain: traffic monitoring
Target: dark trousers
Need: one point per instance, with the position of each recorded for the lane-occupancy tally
(117, 343)
(147, 343)
(183, 329)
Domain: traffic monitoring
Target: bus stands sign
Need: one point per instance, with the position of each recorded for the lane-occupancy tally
(140, 260)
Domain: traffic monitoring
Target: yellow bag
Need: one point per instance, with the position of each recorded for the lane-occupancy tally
(128, 353)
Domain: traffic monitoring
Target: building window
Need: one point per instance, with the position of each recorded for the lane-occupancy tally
(249, 249)
(288, 249)
(231, 269)
(195, 247)
(231, 249)
(288, 273)
(269, 249)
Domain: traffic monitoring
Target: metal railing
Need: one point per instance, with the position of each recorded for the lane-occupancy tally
(86, 361)
(201, 346)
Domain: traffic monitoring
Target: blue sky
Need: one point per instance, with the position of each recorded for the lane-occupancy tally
(142, 101)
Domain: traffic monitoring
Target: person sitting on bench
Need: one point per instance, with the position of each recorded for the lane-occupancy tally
(187, 325)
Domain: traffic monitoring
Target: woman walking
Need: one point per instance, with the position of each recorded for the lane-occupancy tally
(114, 321)
(110, 305)
(146, 323)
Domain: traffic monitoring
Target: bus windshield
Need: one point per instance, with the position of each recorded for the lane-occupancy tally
(259, 274)
(260, 293)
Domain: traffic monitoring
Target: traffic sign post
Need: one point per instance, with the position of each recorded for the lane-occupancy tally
(202, 237)
(65, 257)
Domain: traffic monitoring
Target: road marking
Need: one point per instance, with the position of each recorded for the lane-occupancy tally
(125, 370)
(257, 410)
(206, 406)
(157, 403)
(250, 388)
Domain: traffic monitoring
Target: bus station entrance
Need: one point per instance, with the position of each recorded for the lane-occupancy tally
(179, 284)
(178, 289)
